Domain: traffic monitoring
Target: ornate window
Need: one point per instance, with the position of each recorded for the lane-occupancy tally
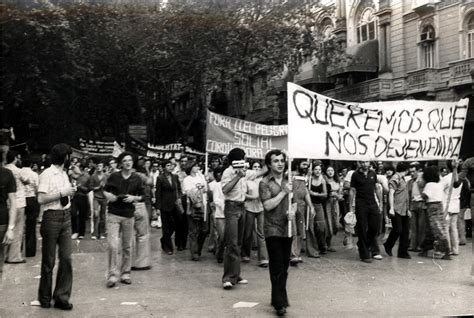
(427, 42)
(366, 26)
(470, 36)
(327, 28)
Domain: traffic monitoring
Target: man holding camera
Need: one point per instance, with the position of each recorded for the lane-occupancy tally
(234, 188)
(55, 193)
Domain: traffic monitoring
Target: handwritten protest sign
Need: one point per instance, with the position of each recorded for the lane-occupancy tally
(325, 128)
(225, 133)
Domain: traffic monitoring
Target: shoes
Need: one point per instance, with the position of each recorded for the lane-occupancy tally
(462, 243)
(195, 258)
(446, 257)
(323, 251)
(102, 237)
(377, 257)
(406, 256)
(63, 305)
(111, 282)
(169, 252)
(180, 248)
(331, 249)
(81, 237)
(126, 281)
(246, 259)
(45, 305)
(293, 262)
(145, 268)
(387, 249)
(227, 285)
(280, 311)
(366, 260)
(23, 261)
(315, 256)
(455, 254)
(74, 236)
(242, 281)
(93, 238)
(264, 265)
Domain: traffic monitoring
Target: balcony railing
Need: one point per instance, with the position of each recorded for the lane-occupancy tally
(460, 72)
(424, 80)
(370, 90)
(311, 74)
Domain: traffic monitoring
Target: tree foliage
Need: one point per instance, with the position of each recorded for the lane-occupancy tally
(91, 70)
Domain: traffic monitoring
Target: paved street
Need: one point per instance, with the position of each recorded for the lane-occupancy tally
(336, 285)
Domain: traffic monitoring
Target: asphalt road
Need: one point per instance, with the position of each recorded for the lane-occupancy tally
(336, 285)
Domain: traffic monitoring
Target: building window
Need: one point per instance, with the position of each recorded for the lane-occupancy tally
(470, 36)
(366, 28)
(427, 41)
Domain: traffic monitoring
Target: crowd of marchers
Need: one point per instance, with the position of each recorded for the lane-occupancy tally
(234, 204)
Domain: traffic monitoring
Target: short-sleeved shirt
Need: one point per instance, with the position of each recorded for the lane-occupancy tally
(365, 187)
(400, 196)
(20, 187)
(455, 198)
(7, 185)
(33, 177)
(276, 220)
(96, 181)
(118, 185)
(434, 192)
(54, 180)
(237, 193)
(218, 199)
(253, 205)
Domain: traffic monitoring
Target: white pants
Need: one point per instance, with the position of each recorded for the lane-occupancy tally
(453, 237)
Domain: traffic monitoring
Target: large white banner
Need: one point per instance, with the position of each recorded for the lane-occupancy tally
(325, 128)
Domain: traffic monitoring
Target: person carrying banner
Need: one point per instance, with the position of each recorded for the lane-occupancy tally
(234, 187)
(274, 190)
(436, 236)
(367, 211)
(303, 202)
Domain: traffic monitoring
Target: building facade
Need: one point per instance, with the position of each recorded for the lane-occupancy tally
(398, 49)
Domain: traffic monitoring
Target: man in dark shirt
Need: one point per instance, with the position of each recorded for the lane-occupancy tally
(367, 211)
(274, 190)
(123, 188)
(80, 209)
(7, 215)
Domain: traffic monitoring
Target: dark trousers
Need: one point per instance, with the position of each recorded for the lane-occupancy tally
(170, 221)
(31, 213)
(198, 230)
(367, 229)
(79, 214)
(3, 230)
(56, 231)
(401, 229)
(181, 236)
(233, 235)
(417, 224)
(279, 249)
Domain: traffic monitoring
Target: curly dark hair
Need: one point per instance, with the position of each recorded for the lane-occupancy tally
(431, 174)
